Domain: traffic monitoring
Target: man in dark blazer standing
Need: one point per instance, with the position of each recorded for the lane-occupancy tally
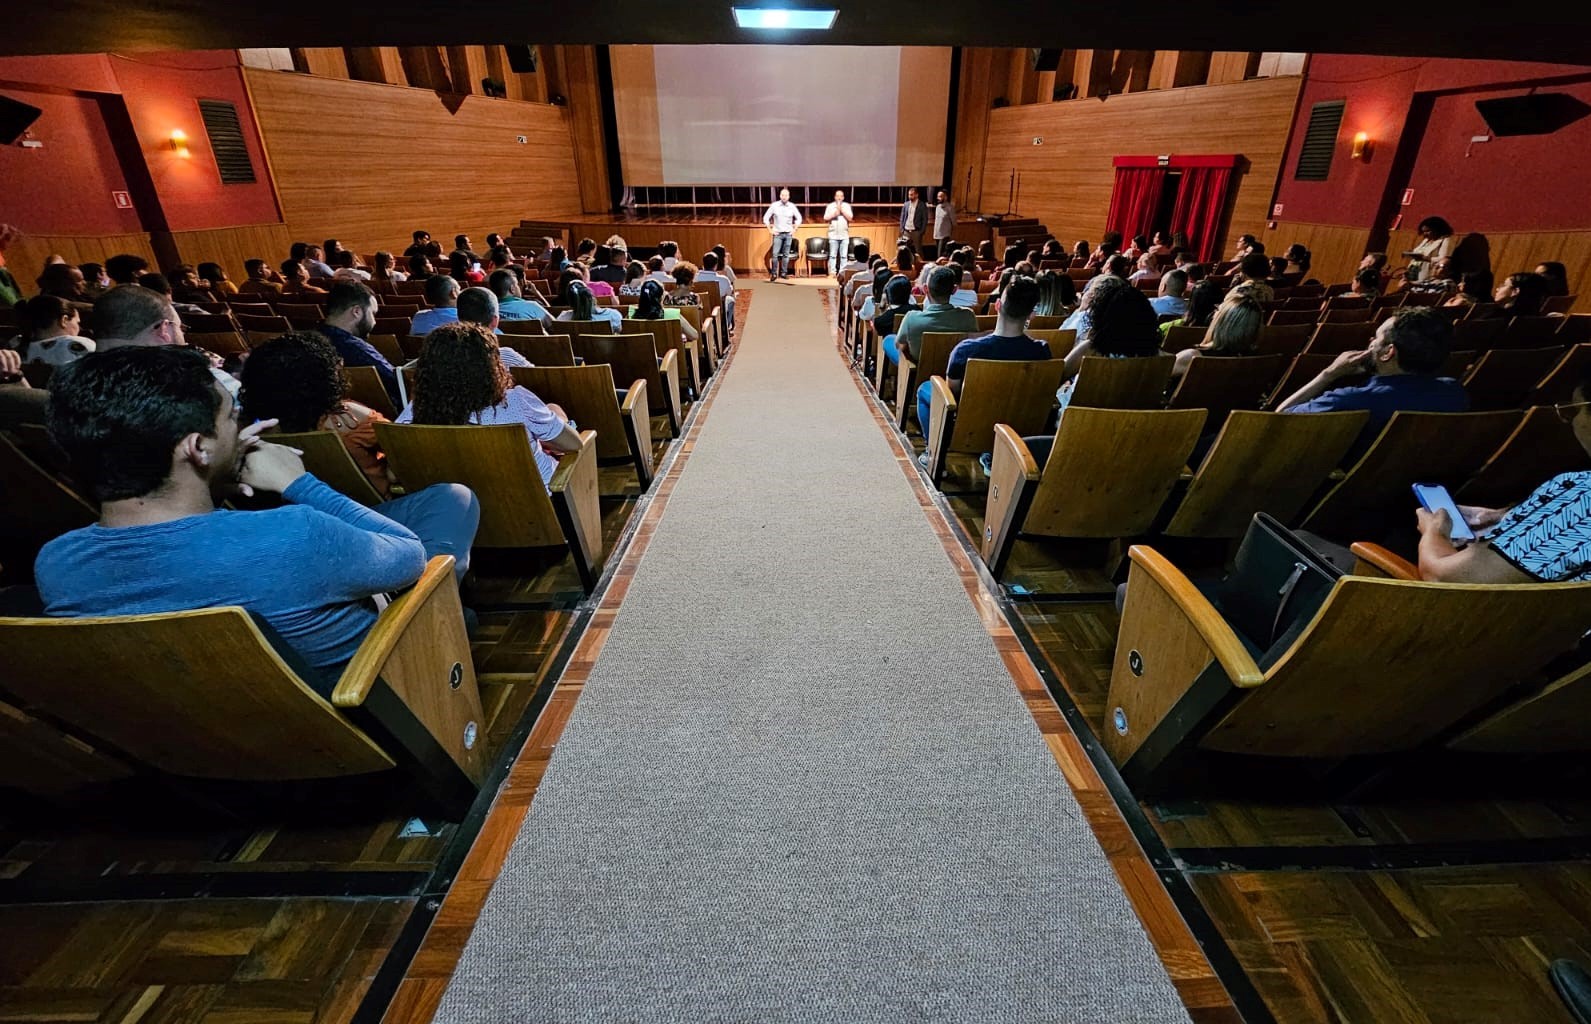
(913, 219)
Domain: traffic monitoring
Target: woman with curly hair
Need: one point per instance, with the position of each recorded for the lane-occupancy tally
(297, 380)
(461, 381)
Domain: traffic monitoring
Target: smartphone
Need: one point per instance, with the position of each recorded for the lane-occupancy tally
(477, 266)
(1434, 497)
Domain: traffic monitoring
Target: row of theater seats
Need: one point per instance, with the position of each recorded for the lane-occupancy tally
(207, 694)
(1383, 664)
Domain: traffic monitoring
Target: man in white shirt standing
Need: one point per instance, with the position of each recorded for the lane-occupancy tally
(839, 217)
(944, 223)
(782, 219)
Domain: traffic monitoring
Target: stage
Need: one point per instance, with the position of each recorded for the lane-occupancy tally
(747, 240)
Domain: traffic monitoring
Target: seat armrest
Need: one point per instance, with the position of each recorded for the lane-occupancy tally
(412, 685)
(574, 490)
(668, 370)
(638, 425)
(1161, 684)
(941, 421)
(1375, 560)
(1013, 480)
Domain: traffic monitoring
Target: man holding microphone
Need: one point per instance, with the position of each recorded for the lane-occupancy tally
(782, 219)
(839, 217)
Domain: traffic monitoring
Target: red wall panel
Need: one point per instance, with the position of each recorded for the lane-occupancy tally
(65, 187)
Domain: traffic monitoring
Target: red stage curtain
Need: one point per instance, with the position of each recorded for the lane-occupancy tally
(1133, 202)
(1200, 199)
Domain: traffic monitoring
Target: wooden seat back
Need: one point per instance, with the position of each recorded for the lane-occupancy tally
(1559, 383)
(222, 343)
(1434, 665)
(1060, 342)
(588, 395)
(493, 461)
(1532, 331)
(395, 326)
(272, 325)
(1180, 337)
(1287, 340)
(1110, 470)
(1019, 393)
(35, 506)
(1138, 383)
(1479, 335)
(389, 346)
(1576, 329)
(1504, 378)
(1540, 448)
(326, 456)
(207, 323)
(1549, 722)
(1331, 339)
(1416, 447)
(575, 328)
(519, 328)
(1303, 369)
(633, 357)
(42, 760)
(1270, 462)
(1045, 323)
(365, 387)
(545, 349)
(1292, 318)
(1221, 384)
(1350, 315)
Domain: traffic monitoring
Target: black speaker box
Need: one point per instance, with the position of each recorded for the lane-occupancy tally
(15, 117)
(522, 59)
(1045, 59)
(1540, 113)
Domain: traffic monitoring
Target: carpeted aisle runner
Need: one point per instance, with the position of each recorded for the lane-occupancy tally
(800, 785)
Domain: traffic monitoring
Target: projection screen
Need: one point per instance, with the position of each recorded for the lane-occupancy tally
(765, 115)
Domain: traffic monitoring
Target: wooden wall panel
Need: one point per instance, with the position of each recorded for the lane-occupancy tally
(578, 66)
(370, 163)
(982, 72)
(1067, 182)
(1335, 250)
(1513, 251)
(231, 246)
(25, 256)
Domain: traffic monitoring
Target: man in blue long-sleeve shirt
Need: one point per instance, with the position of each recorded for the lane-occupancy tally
(155, 439)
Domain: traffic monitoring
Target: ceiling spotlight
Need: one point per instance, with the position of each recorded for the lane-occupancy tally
(782, 18)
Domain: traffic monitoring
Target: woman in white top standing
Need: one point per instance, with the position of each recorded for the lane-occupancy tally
(1436, 244)
(839, 216)
(583, 306)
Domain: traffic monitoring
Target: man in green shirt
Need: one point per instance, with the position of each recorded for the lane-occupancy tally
(936, 315)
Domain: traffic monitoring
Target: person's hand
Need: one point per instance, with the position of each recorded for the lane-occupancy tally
(1479, 518)
(269, 468)
(10, 362)
(1434, 522)
(8, 234)
(1347, 364)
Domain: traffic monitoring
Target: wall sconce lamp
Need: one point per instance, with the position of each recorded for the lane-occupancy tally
(179, 143)
(1361, 146)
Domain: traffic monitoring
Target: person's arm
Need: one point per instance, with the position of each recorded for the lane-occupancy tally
(830, 212)
(1441, 562)
(1074, 359)
(767, 219)
(795, 211)
(849, 216)
(1348, 364)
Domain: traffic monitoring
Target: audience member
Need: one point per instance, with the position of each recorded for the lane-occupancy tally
(64, 281)
(495, 241)
(611, 271)
(1297, 260)
(1010, 340)
(463, 270)
(215, 278)
(131, 315)
(655, 271)
(1404, 356)
(1521, 294)
(1173, 288)
(295, 280)
(1057, 294)
(511, 303)
(1253, 277)
(1122, 325)
(1436, 243)
(583, 306)
(96, 282)
(461, 380)
(1367, 283)
(669, 253)
(1205, 299)
(479, 306)
(262, 280)
(1474, 288)
(1161, 246)
(1081, 249)
(442, 292)
(152, 438)
(726, 293)
(585, 251)
(1544, 539)
(1245, 245)
(125, 268)
(649, 306)
(938, 314)
(634, 276)
(384, 272)
(1557, 277)
(421, 246)
(557, 259)
(1234, 331)
(1146, 269)
(1118, 265)
(298, 381)
(678, 289)
(315, 264)
(350, 316)
(345, 271)
(51, 331)
(1081, 320)
(898, 300)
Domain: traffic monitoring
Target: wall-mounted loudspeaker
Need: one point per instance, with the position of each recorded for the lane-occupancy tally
(1045, 59)
(522, 59)
(1537, 114)
(15, 117)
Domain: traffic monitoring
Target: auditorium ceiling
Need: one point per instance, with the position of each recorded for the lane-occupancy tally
(1549, 30)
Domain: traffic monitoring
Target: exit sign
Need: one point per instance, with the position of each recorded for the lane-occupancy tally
(123, 200)
(1276, 210)
(1408, 196)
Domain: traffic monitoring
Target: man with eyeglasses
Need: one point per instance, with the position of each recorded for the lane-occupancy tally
(132, 316)
(1544, 539)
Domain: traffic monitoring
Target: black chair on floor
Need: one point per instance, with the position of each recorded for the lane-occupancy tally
(817, 255)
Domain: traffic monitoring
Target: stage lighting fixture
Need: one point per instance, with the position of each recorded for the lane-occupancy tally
(782, 18)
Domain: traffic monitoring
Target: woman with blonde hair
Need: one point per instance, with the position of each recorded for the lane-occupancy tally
(1233, 331)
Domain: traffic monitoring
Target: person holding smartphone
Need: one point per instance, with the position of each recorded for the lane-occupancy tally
(1544, 539)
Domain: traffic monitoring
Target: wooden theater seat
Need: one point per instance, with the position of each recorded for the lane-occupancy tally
(1270, 462)
(45, 761)
(365, 387)
(1504, 378)
(932, 361)
(1140, 383)
(203, 694)
(496, 462)
(1551, 721)
(1384, 665)
(326, 456)
(35, 506)
(1082, 491)
(545, 349)
(1559, 383)
(1416, 447)
(1540, 448)
(586, 393)
(635, 357)
(1018, 393)
(1221, 384)
(520, 328)
(1286, 340)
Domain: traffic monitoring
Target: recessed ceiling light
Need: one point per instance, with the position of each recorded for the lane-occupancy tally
(807, 20)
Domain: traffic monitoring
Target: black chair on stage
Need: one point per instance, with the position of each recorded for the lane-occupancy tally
(817, 255)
